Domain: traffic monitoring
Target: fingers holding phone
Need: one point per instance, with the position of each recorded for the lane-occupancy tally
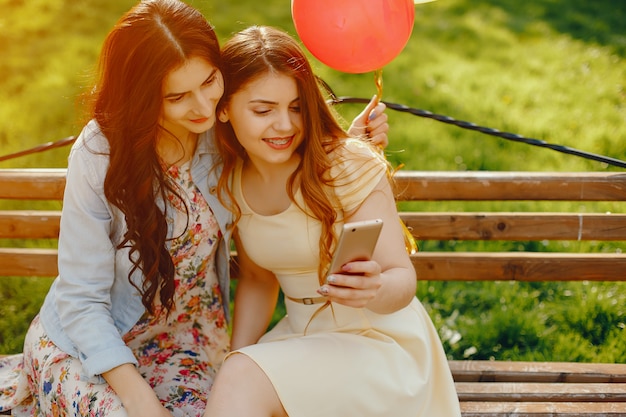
(354, 278)
(356, 287)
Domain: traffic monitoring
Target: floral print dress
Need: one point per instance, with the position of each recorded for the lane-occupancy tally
(178, 354)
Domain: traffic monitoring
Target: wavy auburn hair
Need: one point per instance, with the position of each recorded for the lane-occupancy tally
(148, 42)
(255, 52)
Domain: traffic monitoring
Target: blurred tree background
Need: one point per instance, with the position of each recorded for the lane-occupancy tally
(553, 70)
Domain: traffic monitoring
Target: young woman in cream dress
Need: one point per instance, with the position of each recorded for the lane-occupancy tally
(357, 343)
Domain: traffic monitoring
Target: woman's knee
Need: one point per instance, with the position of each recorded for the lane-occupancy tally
(241, 377)
(239, 369)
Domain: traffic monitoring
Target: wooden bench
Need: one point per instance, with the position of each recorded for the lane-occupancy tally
(485, 388)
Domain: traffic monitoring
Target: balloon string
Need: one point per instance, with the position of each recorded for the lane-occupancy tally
(378, 80)
(409, 242)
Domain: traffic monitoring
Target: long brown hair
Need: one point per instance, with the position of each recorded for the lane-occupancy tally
(152, 39)
(250, 54)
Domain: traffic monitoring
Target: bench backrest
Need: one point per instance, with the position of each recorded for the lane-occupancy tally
(516, 225)
(26, 224)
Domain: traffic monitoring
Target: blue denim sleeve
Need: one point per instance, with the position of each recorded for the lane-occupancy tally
(87, 259)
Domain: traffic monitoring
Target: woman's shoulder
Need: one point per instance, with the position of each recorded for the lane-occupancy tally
(89, 155)
(354, 148)
(357, 168)
(91, 139)
(355, 155)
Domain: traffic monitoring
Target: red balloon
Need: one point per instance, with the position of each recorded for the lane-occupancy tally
(354, 36)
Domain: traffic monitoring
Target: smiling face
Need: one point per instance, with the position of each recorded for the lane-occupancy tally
(190, 97)
(266, 118)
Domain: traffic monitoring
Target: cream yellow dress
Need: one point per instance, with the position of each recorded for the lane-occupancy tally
(350, 361)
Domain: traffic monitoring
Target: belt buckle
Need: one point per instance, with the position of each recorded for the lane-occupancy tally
(308, 301)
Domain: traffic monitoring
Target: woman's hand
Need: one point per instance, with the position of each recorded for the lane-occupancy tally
(356, 286)
(135, 393)
(372, 123)
(147, 409)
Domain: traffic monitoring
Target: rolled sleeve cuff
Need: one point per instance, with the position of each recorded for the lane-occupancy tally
(97, 364)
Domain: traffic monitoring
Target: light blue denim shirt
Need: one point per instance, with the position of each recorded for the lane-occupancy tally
(91, 304)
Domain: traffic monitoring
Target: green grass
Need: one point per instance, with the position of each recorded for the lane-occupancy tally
(553, 70)
(553, 321)
(20, 299)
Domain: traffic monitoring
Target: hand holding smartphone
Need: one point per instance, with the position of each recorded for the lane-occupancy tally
(356, 243)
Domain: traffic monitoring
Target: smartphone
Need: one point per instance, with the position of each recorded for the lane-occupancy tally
(356, 243)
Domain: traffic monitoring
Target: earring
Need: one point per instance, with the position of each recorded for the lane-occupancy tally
(223, 117)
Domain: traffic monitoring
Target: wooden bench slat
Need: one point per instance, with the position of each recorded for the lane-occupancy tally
(515, 226)
(411, 185)
(430, 266)
(519, 266)
(541, 391)
(524, 371)
(427, 226)
(29, 224)
(542, 409)
(32, 184)
(28, 262)
(514, 186)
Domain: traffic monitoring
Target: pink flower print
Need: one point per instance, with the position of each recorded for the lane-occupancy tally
(220, 321)
(183, 318)
(163, 356)
(144, 360)
(174, 172)
(83, 405)
(196, 334)
(62, 403)
(162, 337)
